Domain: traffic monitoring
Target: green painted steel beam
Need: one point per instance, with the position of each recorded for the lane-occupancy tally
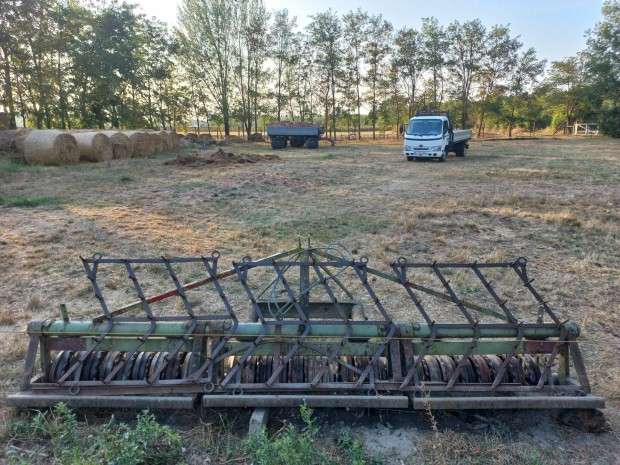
(253, 330)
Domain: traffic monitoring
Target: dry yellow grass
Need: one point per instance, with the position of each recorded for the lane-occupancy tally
(552, 201)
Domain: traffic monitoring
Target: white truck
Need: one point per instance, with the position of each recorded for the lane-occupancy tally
(429, 134)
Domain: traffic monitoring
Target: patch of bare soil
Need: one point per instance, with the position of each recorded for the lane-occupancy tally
(219, 157)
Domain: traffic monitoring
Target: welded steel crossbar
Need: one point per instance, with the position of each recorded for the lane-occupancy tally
(310, 325)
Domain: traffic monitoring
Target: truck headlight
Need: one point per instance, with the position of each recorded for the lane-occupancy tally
(436, 148)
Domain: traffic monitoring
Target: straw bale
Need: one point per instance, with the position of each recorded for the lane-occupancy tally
(142, 143)
(49, 147)
(122, 146)
(175, 140)
(158, 143)
(94, 146)
(168, 142)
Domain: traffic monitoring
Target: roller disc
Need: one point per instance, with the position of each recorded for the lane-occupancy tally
(447, 367)
(495, 364)
(86, 366)
(531, 370)
(93, 374)
(481, 369)
(515, 371)
(186, 366)
(434, 370)
(125, 372)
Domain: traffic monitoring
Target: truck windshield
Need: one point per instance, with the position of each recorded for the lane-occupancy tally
(424, 127)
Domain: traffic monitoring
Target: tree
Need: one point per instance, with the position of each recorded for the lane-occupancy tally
(603, 66)
(410, 63)
(567, 93)
(465, 53)
(325, 35)
(525, 74)
(499, 60)
(376, 52)
(8, 44)
(355, 34)
(206, 30)
(435, 45)
(282, 51)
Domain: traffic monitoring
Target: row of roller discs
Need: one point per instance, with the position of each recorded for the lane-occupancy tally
(259, 369)
(98, 365)
(522, 369)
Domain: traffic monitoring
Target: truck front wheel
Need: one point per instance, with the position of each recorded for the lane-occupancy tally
(312, 143)
(278, 143)
(460, 150)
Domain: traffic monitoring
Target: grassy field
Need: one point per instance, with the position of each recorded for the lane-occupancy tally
(554, 201)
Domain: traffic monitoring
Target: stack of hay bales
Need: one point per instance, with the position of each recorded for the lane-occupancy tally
(122, 146)
(93, 146)
(42, 147)
(142, 143)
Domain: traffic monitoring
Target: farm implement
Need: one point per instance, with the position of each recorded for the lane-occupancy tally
(309, 325)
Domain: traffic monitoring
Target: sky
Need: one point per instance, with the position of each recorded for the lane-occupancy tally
(555, 28)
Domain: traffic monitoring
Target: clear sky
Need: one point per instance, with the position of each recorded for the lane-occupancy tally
(555, 28)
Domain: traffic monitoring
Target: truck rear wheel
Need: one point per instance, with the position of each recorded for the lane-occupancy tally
(312, 143)
(460, 150)
(297, 141)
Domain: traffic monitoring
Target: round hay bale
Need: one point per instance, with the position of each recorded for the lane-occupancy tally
(51, 147)
(166, 141)
(122, 147)
(158, 143)
(174, 139)
(93, 146)
(142, 143)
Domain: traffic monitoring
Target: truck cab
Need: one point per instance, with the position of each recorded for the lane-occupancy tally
(429, 135)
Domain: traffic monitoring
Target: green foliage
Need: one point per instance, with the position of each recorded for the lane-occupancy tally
(354, 452)
(609, 121)
(291, 447)
(8, 166)
(58, 433)
(27, 202)
(295, 447)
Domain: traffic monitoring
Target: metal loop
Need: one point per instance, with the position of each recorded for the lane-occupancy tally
(363, 259)
(215, 254)
(247, 259)
(237, 391)
(209, 387)
(402, 260)
(74, 390)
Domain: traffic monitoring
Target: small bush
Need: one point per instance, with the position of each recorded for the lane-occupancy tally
(57, 434)
(291, 447)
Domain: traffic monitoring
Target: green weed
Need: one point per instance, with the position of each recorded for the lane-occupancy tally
(56, 434)
(27, 202)
(8, 166)
(291, 447)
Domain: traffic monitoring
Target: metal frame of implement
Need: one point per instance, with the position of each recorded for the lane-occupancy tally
(326, 354)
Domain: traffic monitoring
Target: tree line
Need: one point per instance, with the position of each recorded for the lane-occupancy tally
(100, 63)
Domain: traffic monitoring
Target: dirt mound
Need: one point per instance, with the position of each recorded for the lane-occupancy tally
(219, 157)
(256, 137)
